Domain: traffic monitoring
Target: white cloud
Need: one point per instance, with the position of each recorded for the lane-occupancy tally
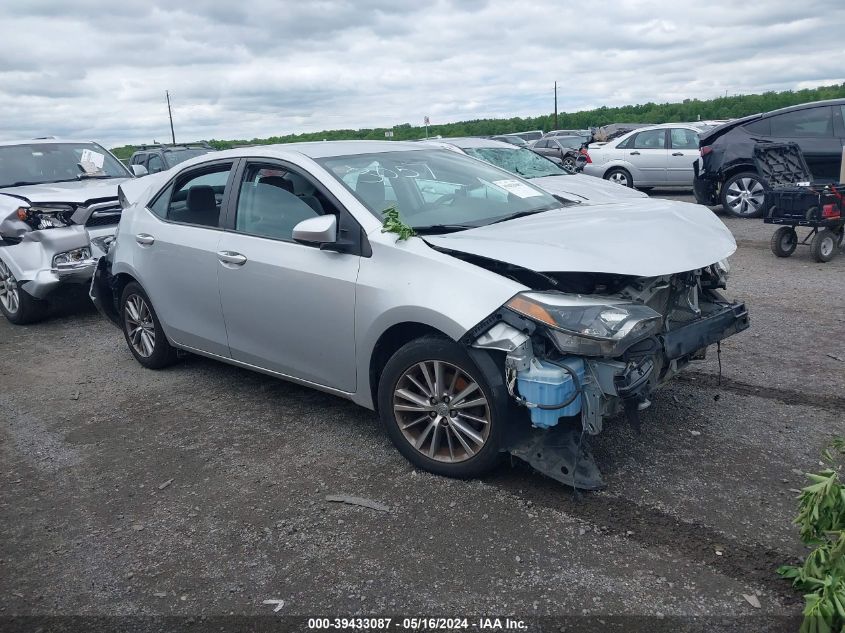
(268, 68)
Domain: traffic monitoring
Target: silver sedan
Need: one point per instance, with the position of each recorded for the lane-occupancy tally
(655, 156)
(477, 313)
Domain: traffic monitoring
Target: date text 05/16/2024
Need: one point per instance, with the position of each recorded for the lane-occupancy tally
(418, 624)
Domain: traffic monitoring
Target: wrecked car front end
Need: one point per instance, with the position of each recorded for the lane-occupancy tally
(628, 312)
(583, 358)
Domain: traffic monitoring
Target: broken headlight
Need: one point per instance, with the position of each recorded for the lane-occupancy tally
(588, 326)
(71, 257)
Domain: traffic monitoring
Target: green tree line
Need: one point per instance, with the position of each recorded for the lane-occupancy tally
(728, 107)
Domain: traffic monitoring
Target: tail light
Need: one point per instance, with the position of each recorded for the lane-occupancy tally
(830, 211)
(705, 150)
(586, 155)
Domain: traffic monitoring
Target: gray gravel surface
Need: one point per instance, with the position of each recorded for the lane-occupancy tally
(696, 512)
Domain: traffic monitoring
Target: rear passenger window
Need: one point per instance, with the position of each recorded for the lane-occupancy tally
(683, 139)
(194, 198)
(812, 122)
(272, 200)
(761, 127)
(650, 139)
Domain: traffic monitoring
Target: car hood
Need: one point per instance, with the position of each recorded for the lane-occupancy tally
(74, 192)
(586, 188)
(645, 238)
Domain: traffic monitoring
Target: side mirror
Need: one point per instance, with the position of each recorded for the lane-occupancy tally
(319, 230)
(139, 170)
(580, 162)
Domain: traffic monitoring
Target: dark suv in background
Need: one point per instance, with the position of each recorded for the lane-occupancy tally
(156, 158)
(725, 172)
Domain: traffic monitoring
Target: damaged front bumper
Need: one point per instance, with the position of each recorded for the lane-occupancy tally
(39, 264)
(584, 390)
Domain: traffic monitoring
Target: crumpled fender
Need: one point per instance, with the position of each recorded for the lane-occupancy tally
(36, 249)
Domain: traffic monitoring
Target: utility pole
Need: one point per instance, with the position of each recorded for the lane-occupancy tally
(170, 114)
(555, 105)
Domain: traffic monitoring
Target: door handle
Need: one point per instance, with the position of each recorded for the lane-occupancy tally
(677, 153)
(144, 239)
(635, 153)
(228, 257)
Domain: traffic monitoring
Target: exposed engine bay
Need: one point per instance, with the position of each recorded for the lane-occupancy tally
(582, 347)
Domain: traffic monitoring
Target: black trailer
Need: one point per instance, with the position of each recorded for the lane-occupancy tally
(794, 200)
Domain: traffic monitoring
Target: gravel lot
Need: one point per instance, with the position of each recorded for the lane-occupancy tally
(201, 490)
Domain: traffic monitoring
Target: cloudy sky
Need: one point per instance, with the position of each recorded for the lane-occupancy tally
(91, 69)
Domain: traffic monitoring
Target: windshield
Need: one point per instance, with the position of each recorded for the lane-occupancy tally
(175, 156)
(436, 187)
(523, 162)
(38, 163)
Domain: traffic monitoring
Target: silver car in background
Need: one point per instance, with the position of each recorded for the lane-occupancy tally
(542, 172)
(654, 156)
(477, 313)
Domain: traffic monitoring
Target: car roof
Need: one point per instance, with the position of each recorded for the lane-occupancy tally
(42, 141)
(734, 123)
(316, 149)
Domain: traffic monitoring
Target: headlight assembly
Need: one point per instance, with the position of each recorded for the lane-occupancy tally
(588, 325)
(71, 257)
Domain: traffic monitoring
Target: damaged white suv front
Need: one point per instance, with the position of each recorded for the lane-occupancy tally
(58, 210)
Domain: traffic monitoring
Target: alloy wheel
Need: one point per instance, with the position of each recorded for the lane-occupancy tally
(442, 411)
(745, 196)
(8, 289)
(619, 178)
(140, 328)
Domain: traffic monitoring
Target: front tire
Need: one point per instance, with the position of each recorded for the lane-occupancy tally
(17, 305)
(743, 195)
(142, 329)
(784, 241)
(824, 245)
(619, 176)
(439, 409)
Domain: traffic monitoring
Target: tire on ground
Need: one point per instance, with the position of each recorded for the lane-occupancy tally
(432, 348)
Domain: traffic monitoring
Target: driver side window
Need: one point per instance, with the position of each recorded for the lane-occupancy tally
(273, 199)
(650, 139)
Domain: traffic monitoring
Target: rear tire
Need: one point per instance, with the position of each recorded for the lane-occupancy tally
(824, 246)
(620, 176)
(433, 421)
(142, 329)
(784, 241)
(16, 304)
(743, 195)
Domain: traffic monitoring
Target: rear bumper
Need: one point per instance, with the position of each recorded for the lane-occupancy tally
(706, 188)
(102, 291)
